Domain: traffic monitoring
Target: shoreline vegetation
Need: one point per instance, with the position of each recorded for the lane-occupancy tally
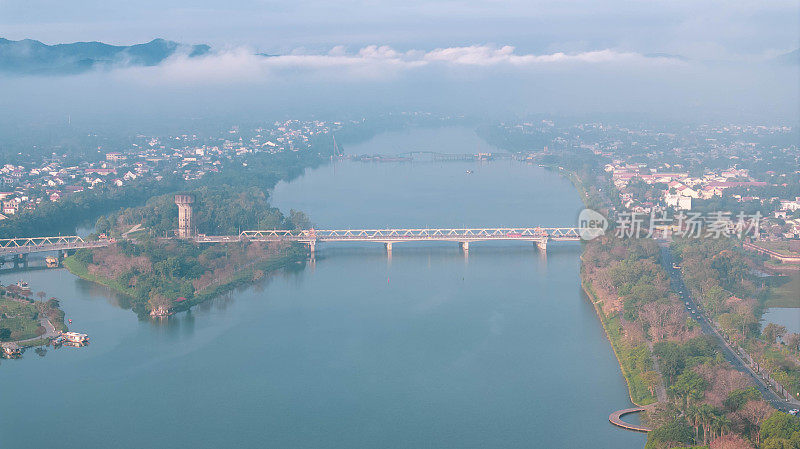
(627, 367)
(248, 262)
(158, 275)
(24, 321)
(694, 397)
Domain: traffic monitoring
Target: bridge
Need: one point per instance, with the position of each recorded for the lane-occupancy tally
(21, 246)
(464, 236)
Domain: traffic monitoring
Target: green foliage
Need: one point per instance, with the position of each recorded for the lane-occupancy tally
(738, 398)
(635, 361)
(669, 435)
(84, 256)
(780, 425)
(63, 216)
(674, 358)
(689, 386)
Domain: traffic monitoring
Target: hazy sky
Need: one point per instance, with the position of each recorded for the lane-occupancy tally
(698, 29)
(689, 59)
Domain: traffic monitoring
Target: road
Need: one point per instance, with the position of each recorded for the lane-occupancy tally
(50, 332)
(678, 286)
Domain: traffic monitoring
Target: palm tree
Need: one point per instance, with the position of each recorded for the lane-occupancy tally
(693, 416)
(720, 423)
(706, 416)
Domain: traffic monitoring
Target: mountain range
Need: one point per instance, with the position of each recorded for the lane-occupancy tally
(30, 56)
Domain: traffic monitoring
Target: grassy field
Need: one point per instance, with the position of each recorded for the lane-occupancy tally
(20, 318)
(786, 295)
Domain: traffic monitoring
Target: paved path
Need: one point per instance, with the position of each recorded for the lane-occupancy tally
(661, 389)
(676, 281)
(616, 419)
(50, 332)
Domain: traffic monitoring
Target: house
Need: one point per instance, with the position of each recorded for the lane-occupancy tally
(10, 207)
(788, 205)
(101, 171)
(115, 157)
(678, 201)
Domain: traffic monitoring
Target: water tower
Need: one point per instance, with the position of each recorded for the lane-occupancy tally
(184, 203)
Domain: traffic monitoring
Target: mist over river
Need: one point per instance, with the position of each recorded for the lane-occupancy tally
(428, 348)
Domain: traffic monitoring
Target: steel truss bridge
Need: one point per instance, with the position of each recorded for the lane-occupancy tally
(464, 236)
(22, 246)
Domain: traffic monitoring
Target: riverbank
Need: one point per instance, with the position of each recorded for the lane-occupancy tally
(205, 285)
(637, 387)
(637, 391)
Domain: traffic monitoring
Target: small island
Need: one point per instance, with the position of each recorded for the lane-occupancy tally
(161, 270)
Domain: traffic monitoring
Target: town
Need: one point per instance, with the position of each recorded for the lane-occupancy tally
(149, 158)
(730, 169)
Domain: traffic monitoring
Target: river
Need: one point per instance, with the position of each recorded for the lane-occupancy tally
(428, 348)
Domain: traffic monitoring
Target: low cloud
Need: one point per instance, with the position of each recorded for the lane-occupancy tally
(372, 62)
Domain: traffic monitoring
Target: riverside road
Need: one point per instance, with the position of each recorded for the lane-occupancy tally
(678, 286)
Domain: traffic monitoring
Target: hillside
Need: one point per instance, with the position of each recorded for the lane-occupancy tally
(36, 58)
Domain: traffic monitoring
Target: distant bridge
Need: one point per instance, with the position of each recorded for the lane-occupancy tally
(464, 236)
(21, 246)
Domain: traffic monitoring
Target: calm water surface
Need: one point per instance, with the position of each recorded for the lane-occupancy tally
(426, 349)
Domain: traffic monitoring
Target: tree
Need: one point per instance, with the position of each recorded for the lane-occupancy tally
(5, 333)
(737, 398)
(772, 332)
(793, 341)
(755, 412)
(299, 220)
(779, 427)
(730, 441)
(41, 295)
(671, 358)
(689, 385)
(103, 226)
(669, 435)
(652, 380)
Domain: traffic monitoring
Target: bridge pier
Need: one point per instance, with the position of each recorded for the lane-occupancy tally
(20, 259)
(312, 247)
(542, 245)
(389, 248)
(464, 247)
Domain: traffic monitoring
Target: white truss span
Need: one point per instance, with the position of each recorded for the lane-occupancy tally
(402, 235)
(12, 247)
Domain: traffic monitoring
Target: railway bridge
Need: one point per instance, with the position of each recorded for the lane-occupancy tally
(463, 236)
(18, 248)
